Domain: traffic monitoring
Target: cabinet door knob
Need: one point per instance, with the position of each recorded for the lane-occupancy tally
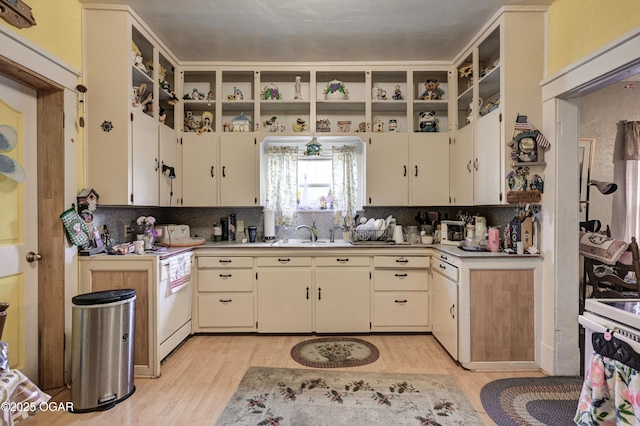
(224, 261)
(33, 257)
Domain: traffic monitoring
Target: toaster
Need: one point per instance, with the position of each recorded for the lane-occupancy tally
(452, 232)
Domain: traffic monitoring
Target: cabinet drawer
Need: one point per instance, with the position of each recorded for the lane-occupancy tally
(400, 309)
(401, 262)
(225, 310)
(446, 269)
(401, 279)
(225, 280)
(284, 261)
(342, 261)
(224, 262)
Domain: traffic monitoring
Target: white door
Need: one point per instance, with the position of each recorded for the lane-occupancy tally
(238, 170)
(429, 169)
(486, 162)
(387, 170)
(18, 228)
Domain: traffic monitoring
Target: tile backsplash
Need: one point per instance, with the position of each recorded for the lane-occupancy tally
(202, 219)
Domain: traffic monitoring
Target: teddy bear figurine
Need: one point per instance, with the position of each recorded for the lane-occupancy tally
(427, 122)
(432, 91)
(190, 123)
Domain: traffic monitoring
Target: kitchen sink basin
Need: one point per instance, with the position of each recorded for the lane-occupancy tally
(307, 243)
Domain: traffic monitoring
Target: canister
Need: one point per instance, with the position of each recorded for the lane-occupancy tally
(225, 228)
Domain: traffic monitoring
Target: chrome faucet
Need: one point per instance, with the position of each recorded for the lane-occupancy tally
(331, 237)
(312, 235)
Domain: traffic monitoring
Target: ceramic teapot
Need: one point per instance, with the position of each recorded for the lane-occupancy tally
(300, 125)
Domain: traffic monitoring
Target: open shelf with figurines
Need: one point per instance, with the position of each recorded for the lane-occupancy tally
(199, 100)
(389, 93)
(430, 101)
(167, 98)
(285, 101)
(238, 104)
(489, 73)
(340, 101)
(142, 72)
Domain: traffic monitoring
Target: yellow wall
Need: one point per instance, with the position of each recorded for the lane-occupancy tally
(578, 27)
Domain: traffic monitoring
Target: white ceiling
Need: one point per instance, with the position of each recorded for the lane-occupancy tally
(316, 30)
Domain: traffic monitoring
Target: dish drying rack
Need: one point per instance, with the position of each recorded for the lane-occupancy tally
(362, 236)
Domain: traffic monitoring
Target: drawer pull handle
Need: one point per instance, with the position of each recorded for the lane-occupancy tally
(342, 260)
(443, 257)
(226, 300)
(284, 260)
(402, 302)
(211, 171)
(402, 261)
(442, 266)
(451, 310)
(307, 293)
(224, 261)
(402, 275)
(225, 275)
(319, 293)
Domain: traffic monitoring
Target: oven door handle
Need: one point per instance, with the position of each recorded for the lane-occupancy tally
(599, 328)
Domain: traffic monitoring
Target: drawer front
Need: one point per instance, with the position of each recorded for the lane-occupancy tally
(225, 280)
(444, 268)
(401, 279)
(342, 261)
(284, 261)
(225, 262)
(400, 309)
(401, 262)
(225, 310)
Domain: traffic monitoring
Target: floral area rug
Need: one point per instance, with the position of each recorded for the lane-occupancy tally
(532, 400)
(279, 396)
(334, 352)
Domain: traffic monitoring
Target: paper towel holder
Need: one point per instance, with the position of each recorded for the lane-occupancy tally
(269, 225)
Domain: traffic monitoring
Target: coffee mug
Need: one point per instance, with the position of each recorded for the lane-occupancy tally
(252, 232)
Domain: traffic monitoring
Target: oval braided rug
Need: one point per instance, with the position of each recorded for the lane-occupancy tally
(549, 400)
(334, 352)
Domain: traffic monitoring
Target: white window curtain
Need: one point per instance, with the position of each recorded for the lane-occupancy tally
(345, 184)
(282, 184)
(632, 181)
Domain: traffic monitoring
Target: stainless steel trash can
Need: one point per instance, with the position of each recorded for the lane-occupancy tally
(102, 349)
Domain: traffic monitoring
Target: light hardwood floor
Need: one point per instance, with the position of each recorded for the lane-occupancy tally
(199, 378)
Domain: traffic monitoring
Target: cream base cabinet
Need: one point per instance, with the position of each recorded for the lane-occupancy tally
(200, 171)
(225, 296)
(387, 170)
(238, 170)
(341, 297)
(285, 293)
(444, 304)
(400, 299)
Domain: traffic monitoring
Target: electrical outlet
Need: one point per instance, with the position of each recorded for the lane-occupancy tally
(128, 232)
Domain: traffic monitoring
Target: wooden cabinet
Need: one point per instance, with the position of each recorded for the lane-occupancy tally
(429, 169)
(285, 294)
(444, 304)
(341, 298)
(461, 160)
(142, 276)
(400, 300)
(200, 171)
(225, 297)
(123, 139)
(499, 312)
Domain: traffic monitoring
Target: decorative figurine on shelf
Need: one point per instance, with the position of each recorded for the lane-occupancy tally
(138, 61)
(236, 96)
(378, 93)
(300, 125)
(270, 92)
(241, 123)
(210, 95)
(298, 94)
(466, 71)
(190, 123)
(336, 90)
(323, 126)
(162, 117)
(378, 125)
(207, 122)
(344, 126)
(469, 118)
(431, 91)
(273, 125)
(197, 95)
(397, 93)
(427, 122)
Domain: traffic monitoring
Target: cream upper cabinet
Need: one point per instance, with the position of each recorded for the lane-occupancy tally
(429, 169)
(200, 171)
(170, 162)
(123, 106)
(388, 170)
(487, 168)
(461, 163)
(238, 170)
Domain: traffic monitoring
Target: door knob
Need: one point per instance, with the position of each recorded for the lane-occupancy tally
(33, 257)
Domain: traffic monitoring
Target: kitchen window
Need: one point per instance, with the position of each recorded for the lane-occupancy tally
(330, 182)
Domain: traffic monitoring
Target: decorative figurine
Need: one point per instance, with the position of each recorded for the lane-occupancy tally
(344, 126)
(336, 90)
(190, 123)
(431, 92)
(378, 125)
(270, 92)
(298, 93)
(427, 122)
(397, 93)
(323, 126)
(207, 121)
(300, 125)
(378, 93)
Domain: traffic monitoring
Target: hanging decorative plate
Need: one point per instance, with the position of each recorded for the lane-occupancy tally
(270, 92)
(336, 90)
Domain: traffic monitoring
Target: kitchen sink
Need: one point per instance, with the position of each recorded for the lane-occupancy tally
(307, 243)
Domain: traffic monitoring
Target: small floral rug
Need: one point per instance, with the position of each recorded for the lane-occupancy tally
(334, 352)
(281, 396)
